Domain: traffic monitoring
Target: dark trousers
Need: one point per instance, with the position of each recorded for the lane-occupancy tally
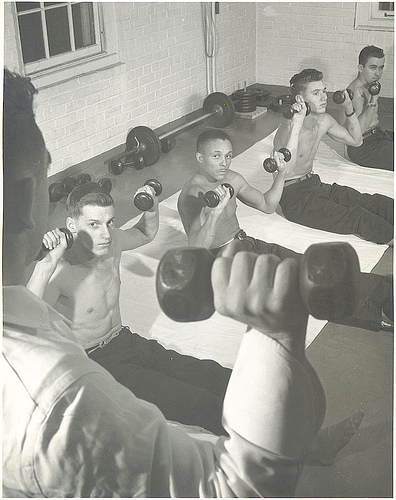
(339, 209)
(377, 150)
(184, 388)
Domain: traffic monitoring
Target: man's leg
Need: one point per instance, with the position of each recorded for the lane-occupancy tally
(377, 151)
(185, 389)
(308, 203)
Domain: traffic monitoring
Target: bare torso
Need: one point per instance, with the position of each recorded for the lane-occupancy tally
(310, 136)
(360, 90)
(191, 206)
(90, 295)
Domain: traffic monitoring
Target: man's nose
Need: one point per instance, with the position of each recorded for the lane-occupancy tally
(105, 233)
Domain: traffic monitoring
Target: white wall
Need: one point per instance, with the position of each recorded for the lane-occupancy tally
(163, 76)
(292, 36)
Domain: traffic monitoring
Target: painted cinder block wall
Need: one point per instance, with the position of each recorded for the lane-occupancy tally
(162, 76)
(292, 36)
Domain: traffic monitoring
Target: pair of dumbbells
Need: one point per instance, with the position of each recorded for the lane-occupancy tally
(270, 165)
(288, 111)
(339, 96)
(329, 275)
(58, 190)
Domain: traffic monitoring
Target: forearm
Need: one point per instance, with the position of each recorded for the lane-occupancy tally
(274, 194)
(276, 403)
(148, 225)
(39, 279)
(352, 124)
(204, 235)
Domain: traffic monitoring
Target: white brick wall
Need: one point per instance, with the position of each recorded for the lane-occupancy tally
(292, 36)
(163, 76)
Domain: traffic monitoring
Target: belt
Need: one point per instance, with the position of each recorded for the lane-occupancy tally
(299, 179)
(370, 132)
(102, 344)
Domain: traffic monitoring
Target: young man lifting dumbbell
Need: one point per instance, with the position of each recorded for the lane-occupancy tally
(214, 227)
(377, 150)
(305, 199)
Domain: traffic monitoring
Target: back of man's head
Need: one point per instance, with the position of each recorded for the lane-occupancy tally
(211, 134)
(299, 82)
(24, 150)
(370, 51)
(87, 194)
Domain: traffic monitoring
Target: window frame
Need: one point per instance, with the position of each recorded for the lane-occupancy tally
(72, 65)
(367, 17)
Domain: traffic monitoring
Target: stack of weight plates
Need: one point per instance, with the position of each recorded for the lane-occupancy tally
(245, 100)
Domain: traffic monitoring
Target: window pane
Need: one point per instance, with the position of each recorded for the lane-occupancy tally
(84, 33)
(21, 6)
(386, 6)
(31, 33)
(58, 31)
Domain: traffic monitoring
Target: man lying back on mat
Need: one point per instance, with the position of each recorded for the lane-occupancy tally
(305, 199)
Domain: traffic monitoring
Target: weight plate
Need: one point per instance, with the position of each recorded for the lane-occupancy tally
(148, 143)
(56, 191)
(222, 106)
(105, 184)
(83, 179)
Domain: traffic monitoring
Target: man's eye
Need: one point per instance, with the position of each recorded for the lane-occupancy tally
(93, 224)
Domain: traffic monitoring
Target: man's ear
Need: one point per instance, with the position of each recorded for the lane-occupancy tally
(299, 98)
(360, 68)
(199, 157)
(23, 194)
(71, 224)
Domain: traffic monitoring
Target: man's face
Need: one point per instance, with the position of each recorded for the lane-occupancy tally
(372, 70)
(216, 159)
(94, 228)
(315, 94)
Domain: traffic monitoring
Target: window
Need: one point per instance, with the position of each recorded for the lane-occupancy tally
(374, 16)
(61, 40)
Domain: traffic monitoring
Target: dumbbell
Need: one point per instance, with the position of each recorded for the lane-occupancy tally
(212, 199)
(288, 111)
(106, 184)
(116, 166)
(144, 201)
(270, 165)
(58, 190)
(374, 88)
(69, 241)
(328, 281)
(339, 96)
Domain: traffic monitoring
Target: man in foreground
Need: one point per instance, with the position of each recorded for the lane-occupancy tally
(73, 431)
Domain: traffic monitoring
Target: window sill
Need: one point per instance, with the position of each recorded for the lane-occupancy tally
(54, 76)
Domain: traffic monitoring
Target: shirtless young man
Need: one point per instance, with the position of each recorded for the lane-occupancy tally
(83, 284)
(377, 150)
(214, 228)
(305, 199)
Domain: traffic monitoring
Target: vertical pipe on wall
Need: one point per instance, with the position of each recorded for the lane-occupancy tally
(209, 29)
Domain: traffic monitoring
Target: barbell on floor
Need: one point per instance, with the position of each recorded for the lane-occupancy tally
(146, 145)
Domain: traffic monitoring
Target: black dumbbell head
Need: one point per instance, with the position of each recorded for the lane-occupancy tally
(374, 88)
(156, 185)
(105, 184)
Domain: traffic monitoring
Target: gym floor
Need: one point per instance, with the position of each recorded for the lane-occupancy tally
(355, 365)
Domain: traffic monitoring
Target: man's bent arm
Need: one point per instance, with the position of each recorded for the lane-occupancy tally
(365, 113)
(143, 232)
(350, 134)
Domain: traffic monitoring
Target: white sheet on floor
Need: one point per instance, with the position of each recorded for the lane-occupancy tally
(219, 337)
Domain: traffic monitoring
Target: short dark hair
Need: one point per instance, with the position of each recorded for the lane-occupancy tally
(87, 194)
(370, 51)
(211, 134)
(299, 82)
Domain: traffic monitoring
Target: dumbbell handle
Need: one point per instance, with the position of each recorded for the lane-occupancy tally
(328, 279)
(270, 165)
(212, 198)
(288, 111)
(144, 201)
(339, 96)
(69, 241)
